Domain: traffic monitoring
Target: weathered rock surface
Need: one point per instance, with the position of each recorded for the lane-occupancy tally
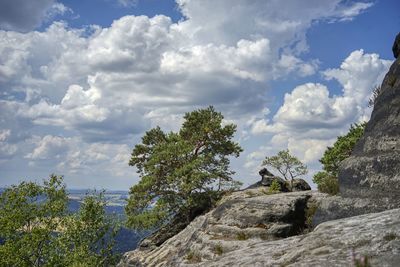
(373, 169)
(299, 185)
(241, 220)
(254, 229)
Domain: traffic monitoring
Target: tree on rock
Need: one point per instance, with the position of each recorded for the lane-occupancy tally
(287, 165)
(183, 172)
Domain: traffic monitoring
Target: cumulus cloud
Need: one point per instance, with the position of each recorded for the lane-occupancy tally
(26, 15)
(311, 118)
(102, 86)
(72, 155)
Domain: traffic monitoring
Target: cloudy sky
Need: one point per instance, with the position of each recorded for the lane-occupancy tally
(81, 81)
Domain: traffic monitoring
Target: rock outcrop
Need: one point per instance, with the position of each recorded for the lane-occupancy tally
(373, 169)
(241, 220)
(255, 229)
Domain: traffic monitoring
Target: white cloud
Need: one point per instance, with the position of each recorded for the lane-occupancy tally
(23, 15)
(102, 86)
(128, 3)
(311, 118)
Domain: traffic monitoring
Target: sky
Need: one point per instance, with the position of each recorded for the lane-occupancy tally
(82, 80)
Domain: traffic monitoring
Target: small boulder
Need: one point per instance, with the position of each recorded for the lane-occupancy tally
(267, 178)
(299, 185)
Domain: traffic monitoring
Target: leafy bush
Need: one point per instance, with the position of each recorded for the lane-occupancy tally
(275, 187)
(218, 249)
(326, 182)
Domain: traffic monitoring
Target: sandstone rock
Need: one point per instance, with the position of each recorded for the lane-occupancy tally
(230, 236)
(267, 178)
(299, 185)
(242, 219)
(373, 169)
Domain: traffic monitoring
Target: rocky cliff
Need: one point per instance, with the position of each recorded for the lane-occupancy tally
(373, 169)
(253, 227)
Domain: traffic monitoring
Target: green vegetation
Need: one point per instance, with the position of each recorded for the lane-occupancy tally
(38, 231)
(181, 172)
(327, 180)
(274, 188)
(312, 208)
(287, 165)
(242, 236)
(193, 256)
(218, 249)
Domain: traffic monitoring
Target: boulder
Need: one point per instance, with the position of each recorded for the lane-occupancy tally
(299, 184)
(267, 178)
(373, 169)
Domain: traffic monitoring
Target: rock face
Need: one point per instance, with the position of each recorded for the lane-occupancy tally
(255, 229)
(373, 169)
(241, 220)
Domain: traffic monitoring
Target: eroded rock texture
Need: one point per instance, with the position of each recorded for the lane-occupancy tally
(241, 220)
(373, 169)
(255, 229)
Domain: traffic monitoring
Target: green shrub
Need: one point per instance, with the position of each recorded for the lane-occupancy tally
(218, 249)
(241, 236)
(327, 183)
(275, 187)
(193, 256)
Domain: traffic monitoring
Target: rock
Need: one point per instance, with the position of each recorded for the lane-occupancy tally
(373, 169)
(241, 219)
(251, 231)
(299, 185)
(374, 235)
(396, 46)
(267, 178)
(177, 224)
(336, 207)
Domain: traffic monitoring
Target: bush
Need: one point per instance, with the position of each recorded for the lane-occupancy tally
(326, 183)
(274, 188)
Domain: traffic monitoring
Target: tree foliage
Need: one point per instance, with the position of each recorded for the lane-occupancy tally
(37, 230)
(287, 165)
(327, 180)
(341, 149)
(181, 171)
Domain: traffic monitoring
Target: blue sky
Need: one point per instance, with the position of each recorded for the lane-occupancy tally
(81, 81)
